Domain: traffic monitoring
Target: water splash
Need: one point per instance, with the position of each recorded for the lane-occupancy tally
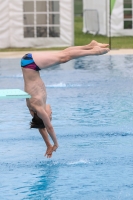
(66, 85)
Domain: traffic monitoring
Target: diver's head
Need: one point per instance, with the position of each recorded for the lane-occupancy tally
(37, 122)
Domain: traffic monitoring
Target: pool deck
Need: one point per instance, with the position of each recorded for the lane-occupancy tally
(19, 54)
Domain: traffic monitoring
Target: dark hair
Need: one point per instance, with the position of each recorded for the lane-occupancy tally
(36, 122)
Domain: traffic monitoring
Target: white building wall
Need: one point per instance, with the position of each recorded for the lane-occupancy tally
(100, 6)
(11, 26)
(117, 18)
(4, 23)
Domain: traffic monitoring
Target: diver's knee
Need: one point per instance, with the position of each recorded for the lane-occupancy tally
(65, 56)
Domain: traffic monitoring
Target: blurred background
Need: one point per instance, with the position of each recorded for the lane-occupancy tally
(56, 24)
(108, 21)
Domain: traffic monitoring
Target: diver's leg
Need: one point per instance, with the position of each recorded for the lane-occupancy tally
(47, 59)
(89, 46)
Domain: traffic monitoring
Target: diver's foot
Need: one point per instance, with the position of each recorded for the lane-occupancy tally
(99, 51)
(95, 43)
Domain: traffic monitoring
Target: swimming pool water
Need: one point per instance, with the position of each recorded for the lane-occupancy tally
(92, 103)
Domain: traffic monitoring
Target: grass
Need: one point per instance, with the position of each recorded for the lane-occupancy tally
(11, 49)
(81, 38)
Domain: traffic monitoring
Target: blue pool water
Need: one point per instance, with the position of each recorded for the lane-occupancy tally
(92, 103)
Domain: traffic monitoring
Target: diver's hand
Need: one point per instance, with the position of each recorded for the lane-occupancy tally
(49, 151)
(55, 147)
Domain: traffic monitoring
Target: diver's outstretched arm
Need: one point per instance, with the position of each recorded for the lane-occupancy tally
(45, 137)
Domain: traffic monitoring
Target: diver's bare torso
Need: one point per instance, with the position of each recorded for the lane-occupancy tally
(35, 87)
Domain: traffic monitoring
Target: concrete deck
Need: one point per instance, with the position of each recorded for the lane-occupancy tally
(19, 54)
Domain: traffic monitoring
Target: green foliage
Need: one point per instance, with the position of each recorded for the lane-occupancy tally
(78, 7)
